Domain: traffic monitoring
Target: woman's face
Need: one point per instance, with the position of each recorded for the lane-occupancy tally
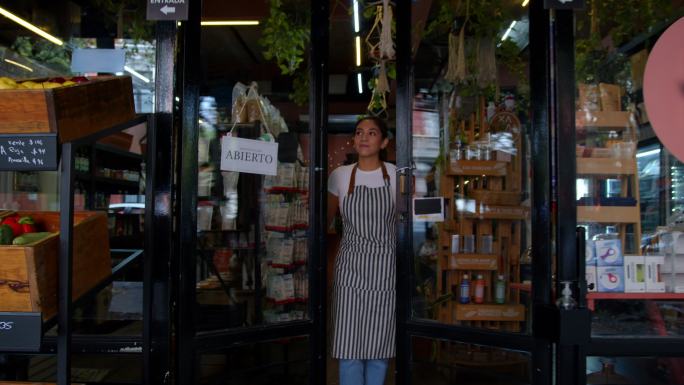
(368, 140)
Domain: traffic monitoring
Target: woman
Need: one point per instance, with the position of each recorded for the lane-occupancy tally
(363, 302)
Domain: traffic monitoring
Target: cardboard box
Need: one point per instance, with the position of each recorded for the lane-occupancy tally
(590, 276)
(654, 280)
(635, 274)
(610, 279)
(608, 252)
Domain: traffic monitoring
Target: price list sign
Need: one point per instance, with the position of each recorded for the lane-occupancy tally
(28, 152)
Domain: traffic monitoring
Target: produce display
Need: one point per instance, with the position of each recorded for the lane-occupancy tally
(11, 84)
(20, 231)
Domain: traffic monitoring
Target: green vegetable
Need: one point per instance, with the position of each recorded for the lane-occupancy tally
(27, 238)
(6, 235)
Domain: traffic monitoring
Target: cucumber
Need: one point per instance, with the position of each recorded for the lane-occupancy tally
(27, 238)
(6, 235)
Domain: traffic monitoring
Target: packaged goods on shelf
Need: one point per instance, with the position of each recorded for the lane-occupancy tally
(635, 274)
(610, 279)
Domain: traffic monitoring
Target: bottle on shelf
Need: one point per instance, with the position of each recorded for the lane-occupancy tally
(464, 290)
(479, 289)
(500, 289)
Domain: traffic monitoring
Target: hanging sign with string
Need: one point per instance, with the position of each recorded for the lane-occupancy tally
(249, 155)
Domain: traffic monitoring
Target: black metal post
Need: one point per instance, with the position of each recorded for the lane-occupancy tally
(540, 140)
(404, 233)
(318, 171)
(66, 221)
(188, 81)
(158, 212)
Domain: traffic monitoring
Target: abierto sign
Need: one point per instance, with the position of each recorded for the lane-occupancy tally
(249, 156)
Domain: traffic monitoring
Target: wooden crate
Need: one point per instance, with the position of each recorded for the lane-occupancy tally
(72, 111)
(36, 265)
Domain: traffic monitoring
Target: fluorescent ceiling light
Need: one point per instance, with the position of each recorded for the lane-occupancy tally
(229, 22)
(356, 16)
(648, 153)
(359, 81)
(508, 31)
(358, 51)
(525, 2)
(30, 26)
(27, 68)
(136, 74)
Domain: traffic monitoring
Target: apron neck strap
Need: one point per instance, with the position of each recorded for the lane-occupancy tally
(352, 180)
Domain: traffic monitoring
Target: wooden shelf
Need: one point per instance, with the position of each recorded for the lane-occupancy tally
(504, 198)
(477, 168)
(606, 166)
(608, 214)
(496, 212)
(521, 286)
(489, 312)
(472, 261)
(613, 120)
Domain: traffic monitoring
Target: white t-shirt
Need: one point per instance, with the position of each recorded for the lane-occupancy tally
(338, 182)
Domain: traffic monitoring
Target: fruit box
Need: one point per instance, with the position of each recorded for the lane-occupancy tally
(28, 274)
(71, 111)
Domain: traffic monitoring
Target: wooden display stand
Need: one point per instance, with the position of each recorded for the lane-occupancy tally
(622, 168)
(485, 199)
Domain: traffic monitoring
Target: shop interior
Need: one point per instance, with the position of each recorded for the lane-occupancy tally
(248, 266)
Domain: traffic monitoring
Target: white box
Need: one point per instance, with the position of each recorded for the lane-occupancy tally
(610, 279)
(590, 276)
(635, 274)
(654, 281)
(590, 253)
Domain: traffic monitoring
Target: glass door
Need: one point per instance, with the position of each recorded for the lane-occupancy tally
(627, 193)
(249, 273)
(474, 170)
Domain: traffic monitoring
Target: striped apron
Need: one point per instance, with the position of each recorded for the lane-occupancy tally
(363, 293)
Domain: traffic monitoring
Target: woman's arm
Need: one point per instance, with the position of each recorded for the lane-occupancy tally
(333, 203)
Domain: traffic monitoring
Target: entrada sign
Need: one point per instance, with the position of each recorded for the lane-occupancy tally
(167, 9)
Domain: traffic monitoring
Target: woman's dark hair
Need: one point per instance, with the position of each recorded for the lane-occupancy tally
(380, 123)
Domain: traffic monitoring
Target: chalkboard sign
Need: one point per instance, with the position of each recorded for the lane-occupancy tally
(20, 332)
(429, 209)
(28, 152)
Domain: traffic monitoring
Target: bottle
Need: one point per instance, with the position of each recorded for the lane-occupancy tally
(613, 139)
(464, 292)
(500, 290)
(566, 301)
(479, 289)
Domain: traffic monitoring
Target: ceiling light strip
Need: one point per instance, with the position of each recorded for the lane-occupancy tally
(27, 68)
(358, 51)
(229, 23)
(356, 16)
(508, 31)
(136, 73)
(30, 26)
(359, 80)
(525, 2)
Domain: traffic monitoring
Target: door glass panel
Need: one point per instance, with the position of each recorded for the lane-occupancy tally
(635, 370)
(628, 184)
(284, 361)
(437, 362)
(470, 135)
(252, 229)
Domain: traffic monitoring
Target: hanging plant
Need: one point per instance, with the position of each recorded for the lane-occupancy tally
(286, 35)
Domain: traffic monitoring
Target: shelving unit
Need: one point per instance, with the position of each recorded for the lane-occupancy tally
(623, 169)
(487, 200)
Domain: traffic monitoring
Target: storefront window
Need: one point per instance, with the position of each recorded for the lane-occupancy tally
(252, 225)
(634, 370)
(628, 183)
(470, 134)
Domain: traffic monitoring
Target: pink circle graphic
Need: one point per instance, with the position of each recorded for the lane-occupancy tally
(664, 88)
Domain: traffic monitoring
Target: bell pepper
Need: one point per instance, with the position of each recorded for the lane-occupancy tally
(26, 239)
(11, 221)
(28, 225)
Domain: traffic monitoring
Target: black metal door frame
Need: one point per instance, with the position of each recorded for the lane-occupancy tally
(538, 343)
(190, 343)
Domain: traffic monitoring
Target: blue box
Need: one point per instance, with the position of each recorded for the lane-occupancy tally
(608, 252)
(610, 279)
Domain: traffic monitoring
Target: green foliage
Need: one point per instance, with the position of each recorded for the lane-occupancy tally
(628, 18)
(508, 55)
(442, 23)
(133, 13)
(300, 88)
(286, 36)
(44, 52)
